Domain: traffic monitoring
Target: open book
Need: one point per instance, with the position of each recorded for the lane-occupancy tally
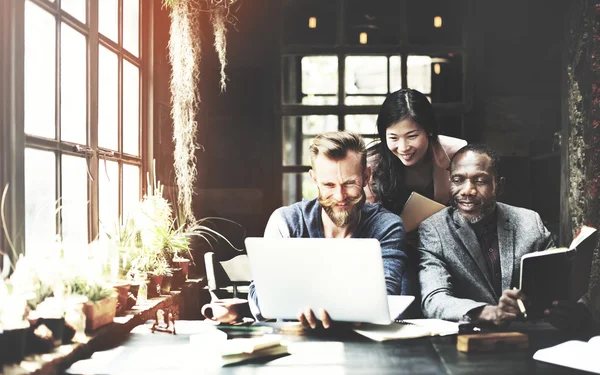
(408, 329)
(558, 273)
(416, 209)
(579, 355)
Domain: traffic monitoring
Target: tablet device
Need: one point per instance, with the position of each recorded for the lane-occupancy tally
(341, 275)
(416, 209)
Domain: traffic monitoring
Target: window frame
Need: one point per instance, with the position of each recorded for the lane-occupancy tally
(341, 50)
(14, 139)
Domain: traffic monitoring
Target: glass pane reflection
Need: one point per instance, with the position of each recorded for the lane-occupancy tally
(39, 74)
(40, 201)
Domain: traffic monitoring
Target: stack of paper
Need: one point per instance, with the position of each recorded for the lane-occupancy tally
(580, 355)
(408, 329)
(242, 349)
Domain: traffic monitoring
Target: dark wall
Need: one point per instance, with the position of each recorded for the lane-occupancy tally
(517, 91)
(517, 69)
(237, 127)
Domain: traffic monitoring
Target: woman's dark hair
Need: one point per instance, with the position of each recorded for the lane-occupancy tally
(388, 174)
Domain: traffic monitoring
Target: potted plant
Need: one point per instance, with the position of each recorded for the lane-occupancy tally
(101, 305)
(159, 269)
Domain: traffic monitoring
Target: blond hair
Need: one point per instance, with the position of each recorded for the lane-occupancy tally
(335, 145)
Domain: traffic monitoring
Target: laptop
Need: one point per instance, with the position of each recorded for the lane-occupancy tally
(343, 276)
(416, 209)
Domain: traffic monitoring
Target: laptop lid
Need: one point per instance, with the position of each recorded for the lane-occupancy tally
(343, 276)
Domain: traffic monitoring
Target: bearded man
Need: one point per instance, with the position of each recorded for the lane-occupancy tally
(471, 252)
(340, 172)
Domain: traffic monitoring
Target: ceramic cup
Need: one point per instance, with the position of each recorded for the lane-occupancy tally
(225, 310)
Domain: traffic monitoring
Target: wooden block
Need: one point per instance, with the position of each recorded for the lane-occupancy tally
(495, 341)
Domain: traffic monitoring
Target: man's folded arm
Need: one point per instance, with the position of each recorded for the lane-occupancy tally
(438, 300)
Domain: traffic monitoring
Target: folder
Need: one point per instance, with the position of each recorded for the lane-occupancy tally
(416, 209)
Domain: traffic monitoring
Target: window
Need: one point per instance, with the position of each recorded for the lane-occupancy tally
(82, 115)
(341, 59)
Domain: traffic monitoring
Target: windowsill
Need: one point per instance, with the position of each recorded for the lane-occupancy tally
(63, 356)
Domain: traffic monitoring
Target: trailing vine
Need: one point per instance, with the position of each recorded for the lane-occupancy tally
(184, 56)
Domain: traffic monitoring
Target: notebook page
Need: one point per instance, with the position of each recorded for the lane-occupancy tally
(579, 355)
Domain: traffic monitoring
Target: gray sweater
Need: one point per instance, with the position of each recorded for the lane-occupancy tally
(303, 219)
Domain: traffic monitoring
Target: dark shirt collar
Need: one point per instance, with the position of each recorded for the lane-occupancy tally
(487, 224)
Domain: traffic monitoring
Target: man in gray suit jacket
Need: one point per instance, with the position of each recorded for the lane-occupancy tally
(470, 252)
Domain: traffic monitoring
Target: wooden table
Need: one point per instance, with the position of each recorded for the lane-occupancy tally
(333, 352)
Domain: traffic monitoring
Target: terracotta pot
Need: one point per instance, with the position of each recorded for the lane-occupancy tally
(123, 292)
(99, 313)
(178, 279)
(165, 286)
(184, 264)
(155, 285)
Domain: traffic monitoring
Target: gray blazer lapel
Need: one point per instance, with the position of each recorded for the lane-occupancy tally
(507, 247)
(470, 242)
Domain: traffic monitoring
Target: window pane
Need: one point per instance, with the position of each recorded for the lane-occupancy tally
(361, 124)
(76, 8)
(319, 75)
(108, 19)
(298, 132)
(311, 80)
(108, 194)
(131, 108)
(40, 96)
(108, 99)
(366, 75)
(73, 85)
(40, 200)
(364, 100)
(131, 189)
(298, 186)
(437, 76)
(419, 73)
(74, 200)
(395, 73)
(131, 22)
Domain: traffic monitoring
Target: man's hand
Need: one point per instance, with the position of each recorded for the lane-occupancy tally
(506, 311)
(308, 319)
(569, 316)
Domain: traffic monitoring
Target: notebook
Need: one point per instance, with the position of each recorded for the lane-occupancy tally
(559, 273)
(408, 329)
(416, 209)
(341, 275)
(575, 354)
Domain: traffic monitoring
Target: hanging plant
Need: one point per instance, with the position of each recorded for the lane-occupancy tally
(184, 56)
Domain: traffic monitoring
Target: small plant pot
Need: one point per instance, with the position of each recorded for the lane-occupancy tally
(178, 279)
(155, 286)
(122, 294)
(99, 313)
(184, 264)
(57, 326)
(165, 287)
(12, 345)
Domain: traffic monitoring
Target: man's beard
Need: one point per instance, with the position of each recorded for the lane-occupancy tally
(485, 209)
(343, 217)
